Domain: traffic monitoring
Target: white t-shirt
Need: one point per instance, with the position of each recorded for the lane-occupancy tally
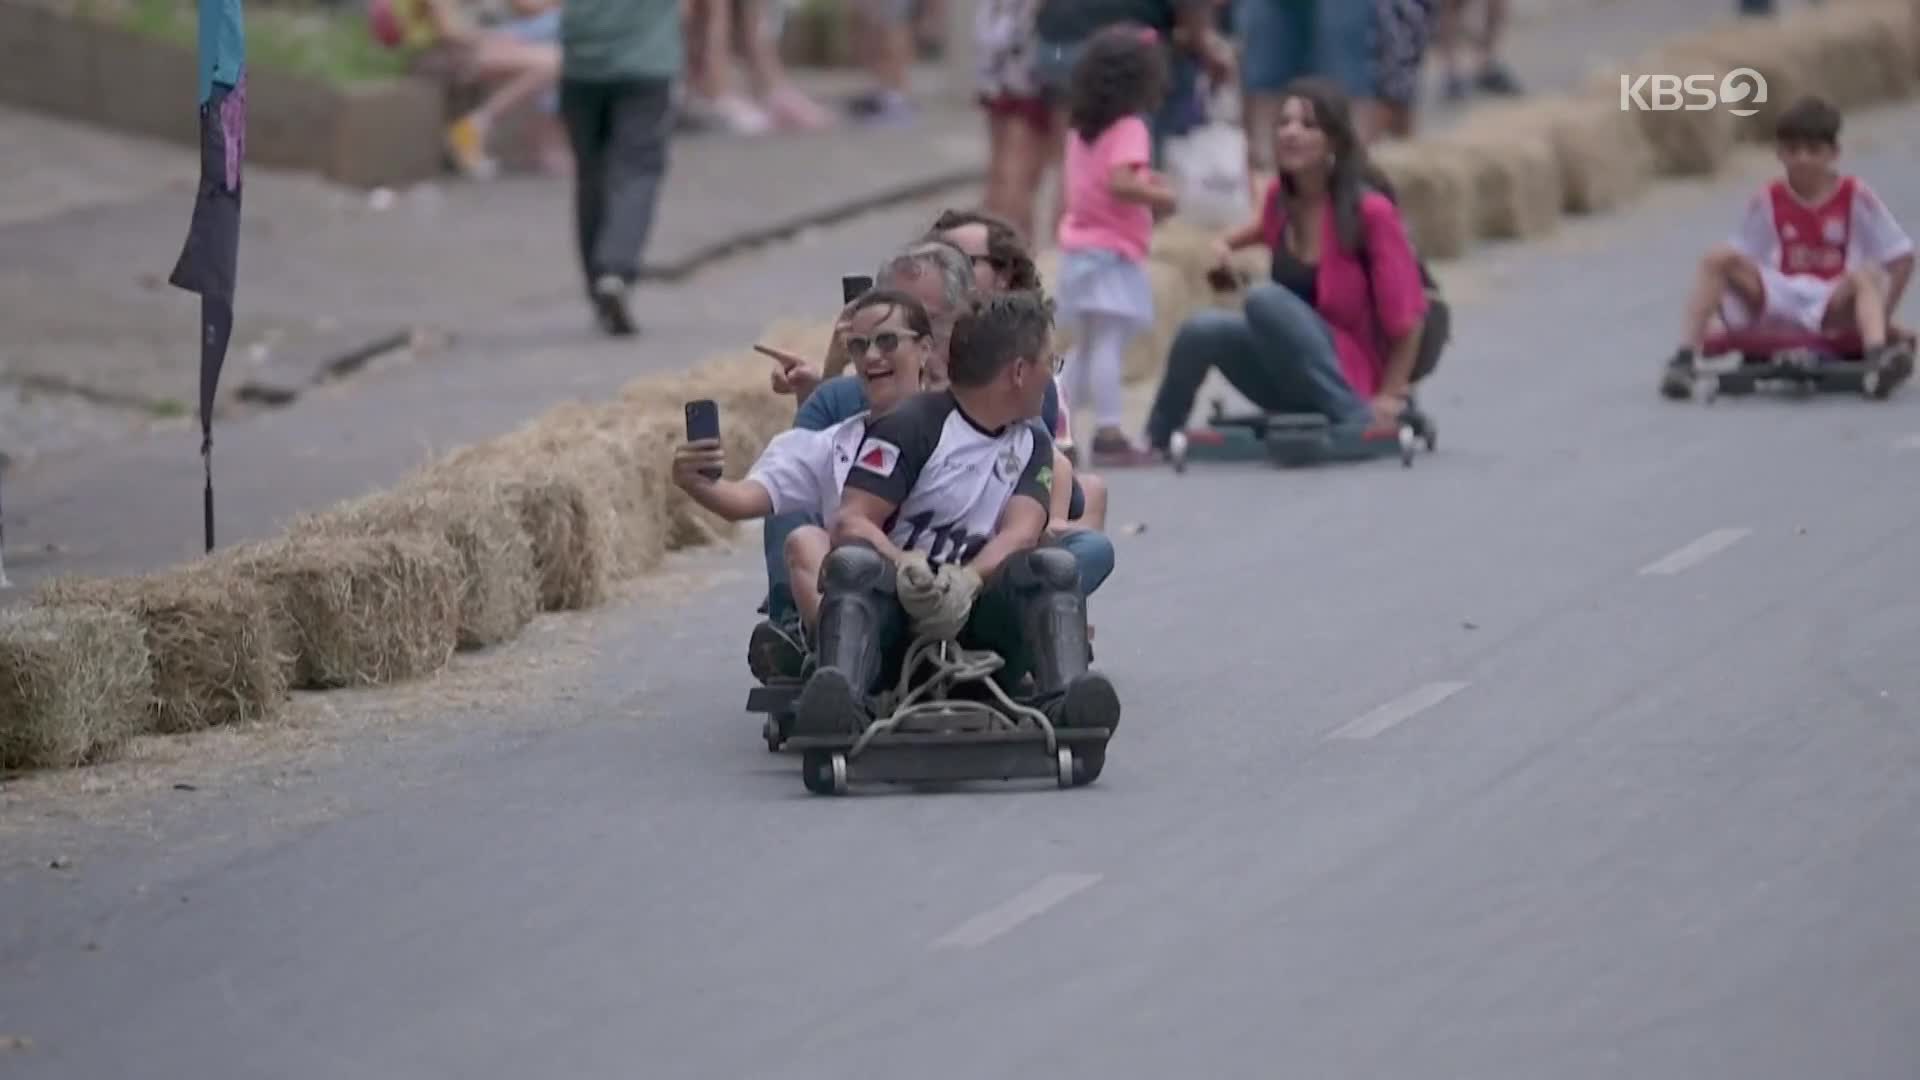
(948, 479)
(803, 470)
(1852, 227)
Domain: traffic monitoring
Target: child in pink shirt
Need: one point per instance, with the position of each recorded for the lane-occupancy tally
(1112, 197)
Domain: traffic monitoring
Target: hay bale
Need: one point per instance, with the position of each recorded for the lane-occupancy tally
(74, 685)
(1435, 191)
(361, 610)
(602, 442)
(1785, 64)
(1604, 160)
(563, 498)
(1518, 192)
(216, 652)
(499, 582)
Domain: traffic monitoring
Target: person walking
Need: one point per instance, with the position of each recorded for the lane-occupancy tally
(619, 62)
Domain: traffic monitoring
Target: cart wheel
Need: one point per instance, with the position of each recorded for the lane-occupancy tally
(1870, 385)
(1177, 451)
(1408, 440)
(1432, 436)
(1063, 771)
(824, 773)
(770, 731)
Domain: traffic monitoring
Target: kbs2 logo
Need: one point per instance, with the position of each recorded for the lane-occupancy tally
(1694, 93)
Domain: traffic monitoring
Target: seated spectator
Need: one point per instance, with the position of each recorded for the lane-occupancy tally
(517, 58)
(1337, 329)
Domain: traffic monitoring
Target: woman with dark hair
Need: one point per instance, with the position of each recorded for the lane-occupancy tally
(1337, 329)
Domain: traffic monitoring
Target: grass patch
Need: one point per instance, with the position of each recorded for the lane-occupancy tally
(334, 46)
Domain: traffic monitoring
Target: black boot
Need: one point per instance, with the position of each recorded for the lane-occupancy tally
(857, 603)
(1053, 626)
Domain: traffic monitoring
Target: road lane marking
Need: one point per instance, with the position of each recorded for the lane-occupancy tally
(1697, 552)
(1034, 901)
(1398, 711)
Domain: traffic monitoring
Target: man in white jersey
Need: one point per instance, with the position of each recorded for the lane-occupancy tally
(943, 508)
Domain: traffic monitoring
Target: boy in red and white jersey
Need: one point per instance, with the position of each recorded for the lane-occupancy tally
(1816, 251)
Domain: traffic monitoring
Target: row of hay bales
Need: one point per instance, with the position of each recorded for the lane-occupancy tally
(463, 553)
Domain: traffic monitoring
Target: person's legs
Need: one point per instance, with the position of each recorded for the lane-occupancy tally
(1495, 77)
(1858, 304)
(1034, 615)
(1093, 512)
(806, 549)
(1023, 140)
(584, 108)
(641, 121)
(1092, 552)
(756, 36)
(861, 622)
(888, 54)
(1298, 366)
(1722, 274)
(780, 591)
(1104, 354)
(1206, 340)
(1277, 40)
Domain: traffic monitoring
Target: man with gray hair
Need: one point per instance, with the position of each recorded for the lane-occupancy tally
(938, 275)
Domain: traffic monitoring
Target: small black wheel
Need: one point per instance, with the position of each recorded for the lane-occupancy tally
(1408, 440)
(824, 772)
(774, 731)
(1177, 451)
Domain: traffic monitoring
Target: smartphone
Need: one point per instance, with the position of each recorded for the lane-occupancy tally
(854, 286)
(703, 422)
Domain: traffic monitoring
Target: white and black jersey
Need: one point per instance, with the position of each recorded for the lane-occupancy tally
(947, 478)
(803, 470)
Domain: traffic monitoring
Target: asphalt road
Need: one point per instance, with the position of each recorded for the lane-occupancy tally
(1582, 749)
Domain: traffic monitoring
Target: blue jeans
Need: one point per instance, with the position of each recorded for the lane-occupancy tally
(1278, 352)
(1092, 550)
(1286, 39)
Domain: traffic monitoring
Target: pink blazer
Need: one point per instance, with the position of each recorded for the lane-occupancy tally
(1355, 308)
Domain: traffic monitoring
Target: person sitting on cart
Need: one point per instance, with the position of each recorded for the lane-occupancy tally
(889, 338)
(941, 276)
(1816, 252)
(1336, 332)
(938, 536)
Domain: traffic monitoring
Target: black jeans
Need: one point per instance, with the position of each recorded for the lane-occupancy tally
(619, 135)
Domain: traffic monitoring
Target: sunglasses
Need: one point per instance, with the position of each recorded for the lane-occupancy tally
(887, 341)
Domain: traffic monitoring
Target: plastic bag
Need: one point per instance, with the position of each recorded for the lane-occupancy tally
(1209, 168)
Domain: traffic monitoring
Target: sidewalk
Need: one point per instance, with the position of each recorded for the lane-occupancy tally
(489, 261)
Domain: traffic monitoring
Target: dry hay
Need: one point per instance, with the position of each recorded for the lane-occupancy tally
(1434, 189)
(1786, 64)
(1186, 246)
(215, 647)
(499, 582)
(1518, 192)
(1603, 156)
(74, 685)
(603, 442)
(563, 495)
(361, 610)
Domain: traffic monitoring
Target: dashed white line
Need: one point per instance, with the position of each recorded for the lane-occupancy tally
(1034, 901)
(1697, 552)
(1398, 711)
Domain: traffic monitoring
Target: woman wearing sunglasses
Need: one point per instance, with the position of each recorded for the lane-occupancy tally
(888, 344)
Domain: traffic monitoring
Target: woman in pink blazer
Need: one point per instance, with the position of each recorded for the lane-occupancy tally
(1336, 330)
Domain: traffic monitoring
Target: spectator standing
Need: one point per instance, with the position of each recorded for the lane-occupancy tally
(1400, 47)
(1285, 40)
(1494, 76)
(620, 59)
(721, 31)
(885, 43)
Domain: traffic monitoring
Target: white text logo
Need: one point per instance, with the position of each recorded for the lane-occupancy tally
(1738, 91)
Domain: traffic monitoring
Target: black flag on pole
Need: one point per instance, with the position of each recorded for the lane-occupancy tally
(208, 262)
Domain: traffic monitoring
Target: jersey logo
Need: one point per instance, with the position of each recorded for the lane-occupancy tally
(1044, 478)
(1007, 463)
(878, 457)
